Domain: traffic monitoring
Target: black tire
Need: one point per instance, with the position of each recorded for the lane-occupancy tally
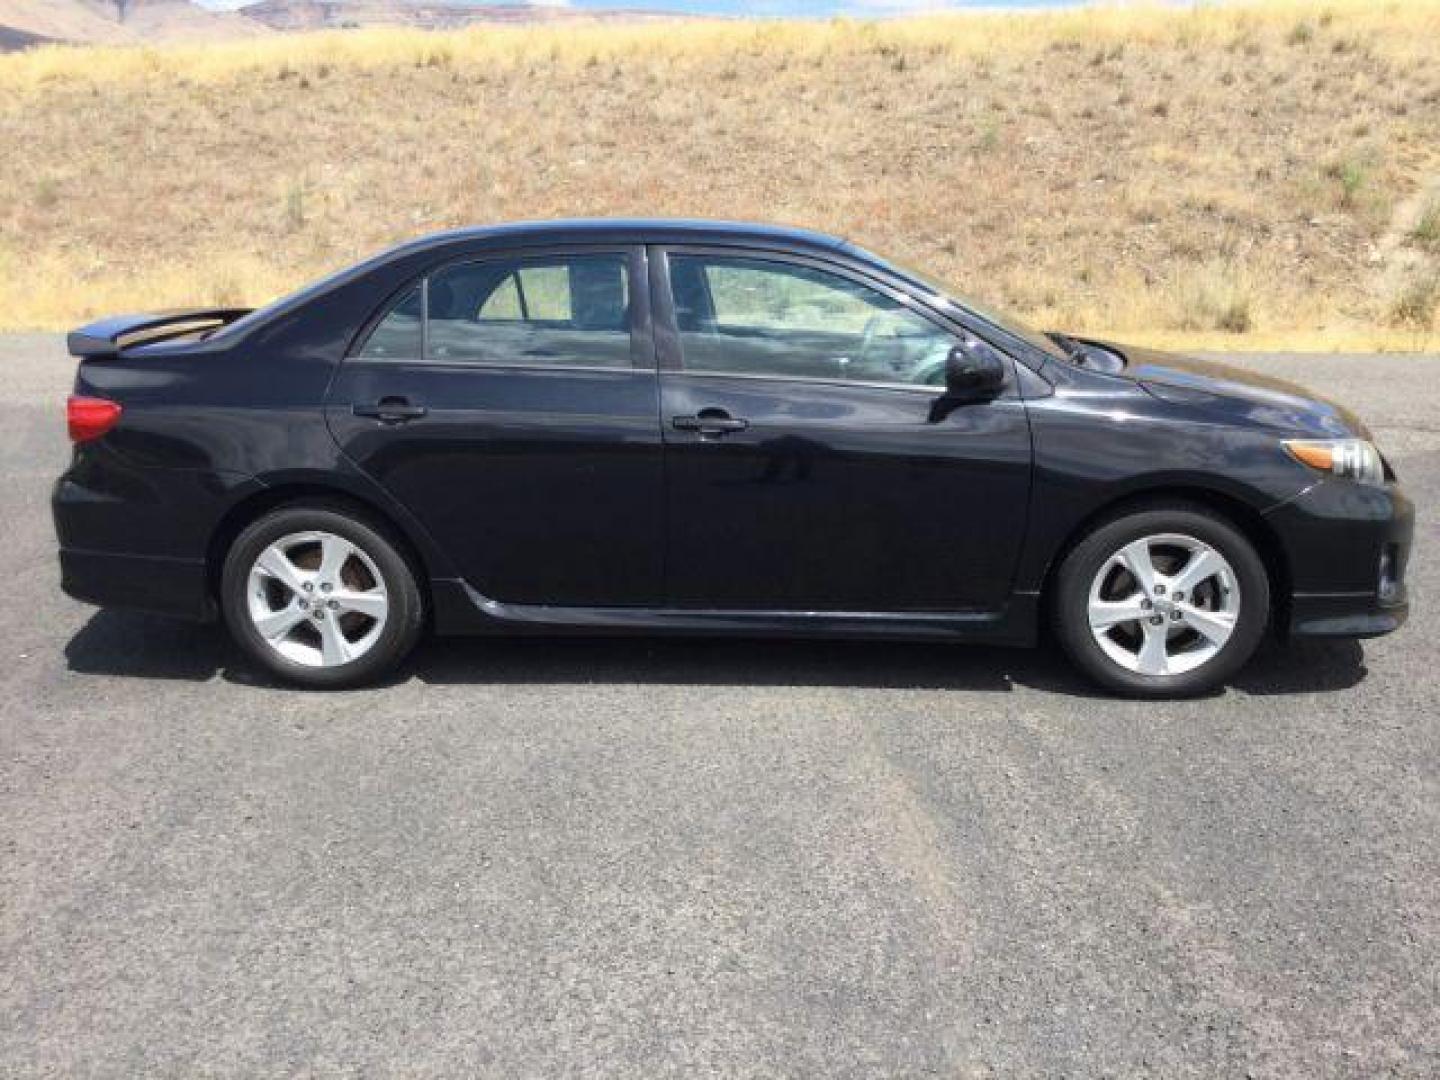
(1085, 561)
(404, 617)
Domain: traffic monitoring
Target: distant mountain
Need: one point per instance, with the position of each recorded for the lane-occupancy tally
(170, 20)
(342, 14)
(24, 23)
(61, 20)
(117, 22)
(14, 40)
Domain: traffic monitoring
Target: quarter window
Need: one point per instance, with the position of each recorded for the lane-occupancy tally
(397, 336)
(762, 317)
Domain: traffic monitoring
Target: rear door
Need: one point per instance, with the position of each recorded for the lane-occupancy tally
(509, 402)
(812, 462)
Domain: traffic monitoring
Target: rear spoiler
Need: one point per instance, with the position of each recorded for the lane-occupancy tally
(108, 336)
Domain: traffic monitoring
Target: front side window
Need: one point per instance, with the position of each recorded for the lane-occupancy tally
(749, 316)
(571, 310)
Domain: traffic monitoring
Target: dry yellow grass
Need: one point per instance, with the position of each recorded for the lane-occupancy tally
(1245, 174)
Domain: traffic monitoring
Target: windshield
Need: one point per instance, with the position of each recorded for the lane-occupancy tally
(1007, 323)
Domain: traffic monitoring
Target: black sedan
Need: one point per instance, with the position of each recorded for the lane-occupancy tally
(705, 428)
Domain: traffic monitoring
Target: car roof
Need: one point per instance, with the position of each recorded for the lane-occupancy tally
(648, 230)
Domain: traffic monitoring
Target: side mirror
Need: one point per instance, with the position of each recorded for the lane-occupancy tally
(973, 371)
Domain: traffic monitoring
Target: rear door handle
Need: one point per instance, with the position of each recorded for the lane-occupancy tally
(391, 410)
(709, 422)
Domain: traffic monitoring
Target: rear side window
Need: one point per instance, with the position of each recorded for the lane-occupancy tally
(542, 293)
(397, 336)
(552, 311)
(571, 311)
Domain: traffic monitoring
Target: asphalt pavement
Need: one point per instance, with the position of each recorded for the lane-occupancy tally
(655, 858)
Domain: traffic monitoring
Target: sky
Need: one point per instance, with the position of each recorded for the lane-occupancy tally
(769, 8)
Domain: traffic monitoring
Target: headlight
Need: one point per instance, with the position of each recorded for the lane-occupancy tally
(1350, 459)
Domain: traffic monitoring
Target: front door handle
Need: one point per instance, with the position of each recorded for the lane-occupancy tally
(391, 410)
(709, 422)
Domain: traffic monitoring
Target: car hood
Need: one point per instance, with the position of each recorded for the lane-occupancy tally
(1260, 399)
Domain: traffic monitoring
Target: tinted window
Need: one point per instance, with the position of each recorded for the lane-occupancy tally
(397, 335)
(571, 310)
(761, 317)
(504, 302)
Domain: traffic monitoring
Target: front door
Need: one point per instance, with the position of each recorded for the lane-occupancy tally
(811, 463)
(510, 404)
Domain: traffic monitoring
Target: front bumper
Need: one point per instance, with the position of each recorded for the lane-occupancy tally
(1347, 547)
(1357, 616)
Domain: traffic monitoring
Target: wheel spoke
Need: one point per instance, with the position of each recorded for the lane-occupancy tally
(318, 598)
(333, 646)
(1202, 565)
(1217, 626)
(1136, 558)
(1154, 658)
(1107, 613)
(278, 624)
(1176, 636)
(334, 551)
(372, 602)
(274, 562)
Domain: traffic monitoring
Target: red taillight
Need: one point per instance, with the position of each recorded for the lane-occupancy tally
(89, 417)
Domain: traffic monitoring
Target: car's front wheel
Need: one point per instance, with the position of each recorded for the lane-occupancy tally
(320, 596)
(1162, 602)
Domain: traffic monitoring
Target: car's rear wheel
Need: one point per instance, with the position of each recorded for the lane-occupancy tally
(321, 596)
(1162, 602)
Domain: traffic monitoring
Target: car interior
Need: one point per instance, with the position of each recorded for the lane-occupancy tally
(735, 316)
(750, 317)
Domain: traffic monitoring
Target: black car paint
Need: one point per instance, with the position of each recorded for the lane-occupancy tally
(546, 499)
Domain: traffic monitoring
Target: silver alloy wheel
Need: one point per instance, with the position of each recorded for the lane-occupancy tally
(317, 599)
(1164, 605)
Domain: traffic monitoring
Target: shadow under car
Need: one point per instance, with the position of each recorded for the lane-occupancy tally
(128, 645)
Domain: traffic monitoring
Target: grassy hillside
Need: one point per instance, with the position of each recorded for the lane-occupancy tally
(1246, 173)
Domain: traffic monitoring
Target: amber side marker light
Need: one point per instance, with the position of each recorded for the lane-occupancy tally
(88, 418)
(1317, 455)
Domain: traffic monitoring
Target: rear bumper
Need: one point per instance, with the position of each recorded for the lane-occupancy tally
(160, 585)
(135, 538)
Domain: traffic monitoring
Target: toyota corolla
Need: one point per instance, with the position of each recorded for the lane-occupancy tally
(706, 428)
